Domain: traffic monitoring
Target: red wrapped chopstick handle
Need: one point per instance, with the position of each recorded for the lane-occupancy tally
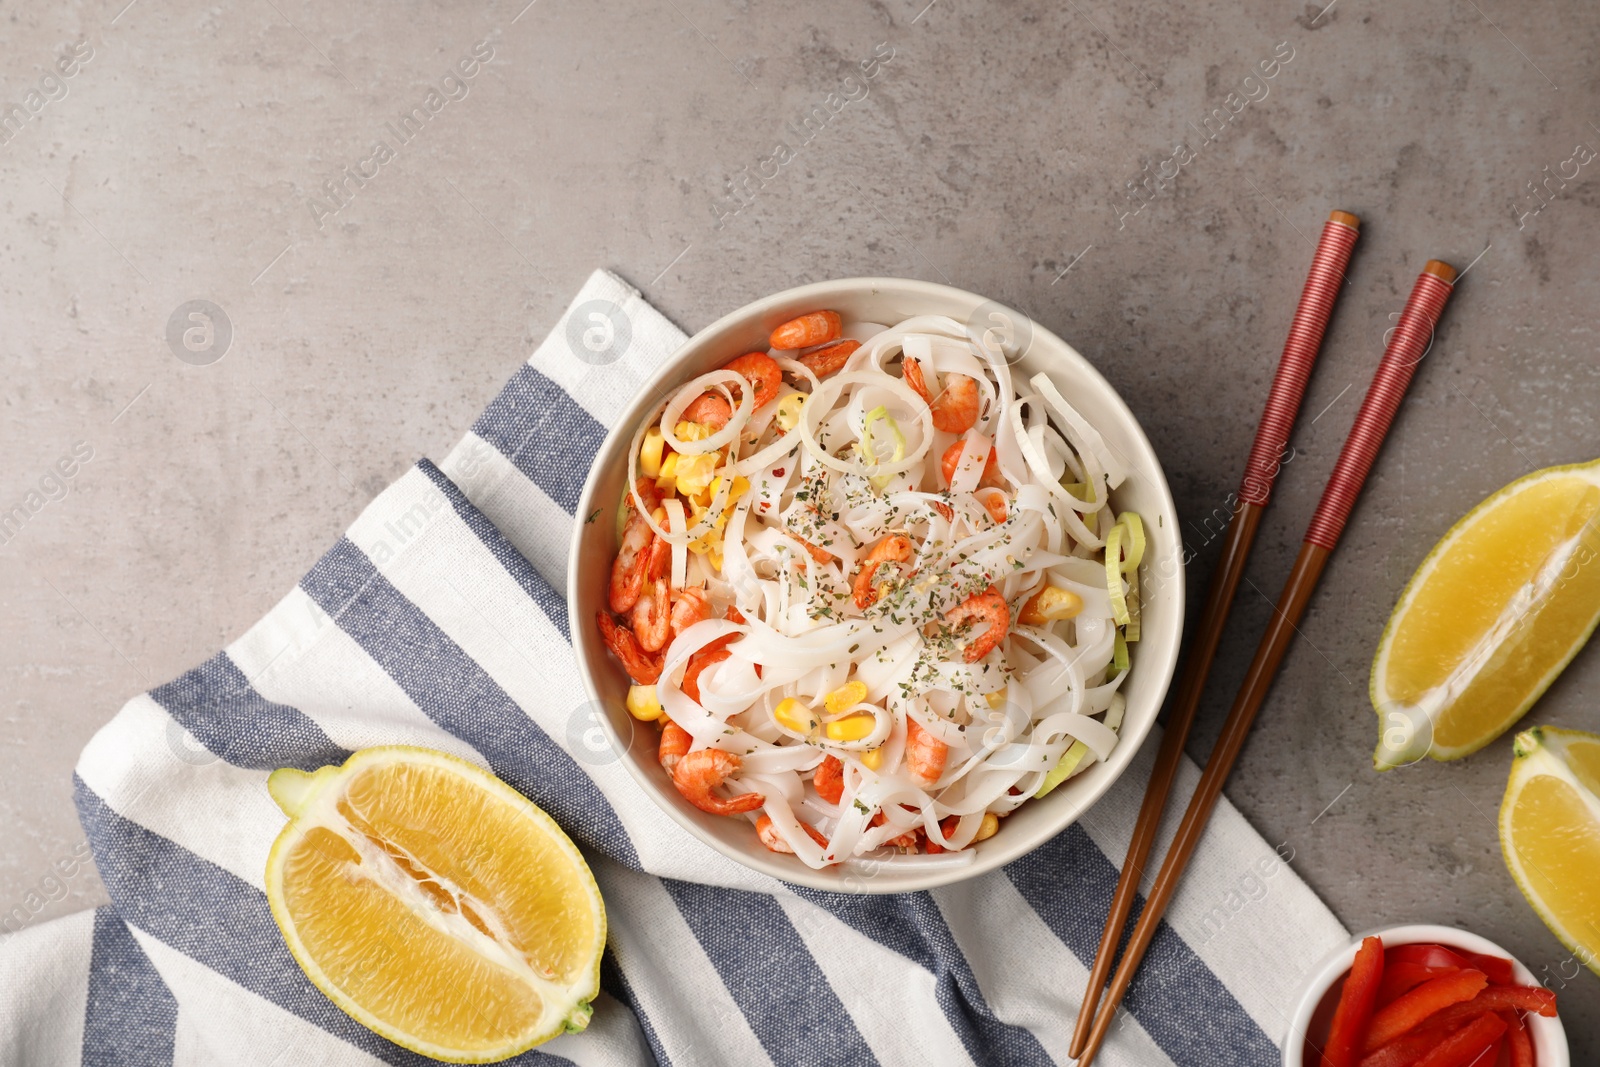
(1408, 343)
(1339, 235)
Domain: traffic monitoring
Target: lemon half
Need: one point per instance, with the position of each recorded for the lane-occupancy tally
(1494, 613)
(434, 904)
(1550, 833)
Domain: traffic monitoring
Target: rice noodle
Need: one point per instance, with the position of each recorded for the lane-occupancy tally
(786, 503)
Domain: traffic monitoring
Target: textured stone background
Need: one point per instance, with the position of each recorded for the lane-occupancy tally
(991, 152)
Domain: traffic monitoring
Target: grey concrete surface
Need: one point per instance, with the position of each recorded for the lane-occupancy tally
(186, 158)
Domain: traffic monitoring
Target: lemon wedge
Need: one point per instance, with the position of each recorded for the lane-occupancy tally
(1550, 833)
(434, 904)
(1494, 613)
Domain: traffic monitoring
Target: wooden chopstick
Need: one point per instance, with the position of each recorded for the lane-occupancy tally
(1310, 322)
(1406, 347)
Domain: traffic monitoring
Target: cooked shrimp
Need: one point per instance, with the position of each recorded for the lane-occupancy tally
(768, 833)
(955, 409)
(925, 754)
(905, 840)
(714, 652)
(821, 555)
(807, 330)
(947, 826)
(689, 606)
(709, 409)
(651, 614)
(994, 502)
(628, 569)
(911, 373)
(763, 374)
(696, 774)
(643, 667)
(829, 779)
(825, 361)
(770, 837)
(660, 561)
(759, 369)
(990, 479)
(987, 607)
(896, 548)
(649, 495)
(675, 742)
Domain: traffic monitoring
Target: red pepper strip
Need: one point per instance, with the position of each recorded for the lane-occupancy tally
(1518, 1040)
(1355, 1006)
(1502, 998)
(1400, 976)
(1429, 955)
(1466, 1045)
(1412, 1008)
(1407, 1049)
(1499, 970)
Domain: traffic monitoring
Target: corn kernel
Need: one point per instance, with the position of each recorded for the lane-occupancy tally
(987, 828)
(852, 727)
(708, 544)
(643, 704)
(711, 495)
(789, 409)
(1050, 604)
(692, 431)
(996, 699)
(650, 452)
(846, 696)
(667, 477)
(796, 716)
(874, 759)
(695, 473)
(701, 504)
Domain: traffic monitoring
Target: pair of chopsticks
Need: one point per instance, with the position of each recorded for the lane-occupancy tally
(1406, 346)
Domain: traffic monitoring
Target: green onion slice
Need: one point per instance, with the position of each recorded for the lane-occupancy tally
(881, 414)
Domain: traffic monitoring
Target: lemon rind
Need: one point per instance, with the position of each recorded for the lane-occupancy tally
(1590, 471)
(584, 990)
(1537, 753)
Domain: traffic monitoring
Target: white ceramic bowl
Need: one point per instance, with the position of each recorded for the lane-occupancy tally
(887, 301)
(1549, 1038)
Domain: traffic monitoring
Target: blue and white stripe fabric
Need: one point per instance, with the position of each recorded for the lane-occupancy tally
(439, 619)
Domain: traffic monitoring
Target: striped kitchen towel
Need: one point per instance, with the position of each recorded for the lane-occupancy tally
(439, 619)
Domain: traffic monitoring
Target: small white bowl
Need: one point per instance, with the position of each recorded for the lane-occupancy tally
(886, 301)
(1549, 1037)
